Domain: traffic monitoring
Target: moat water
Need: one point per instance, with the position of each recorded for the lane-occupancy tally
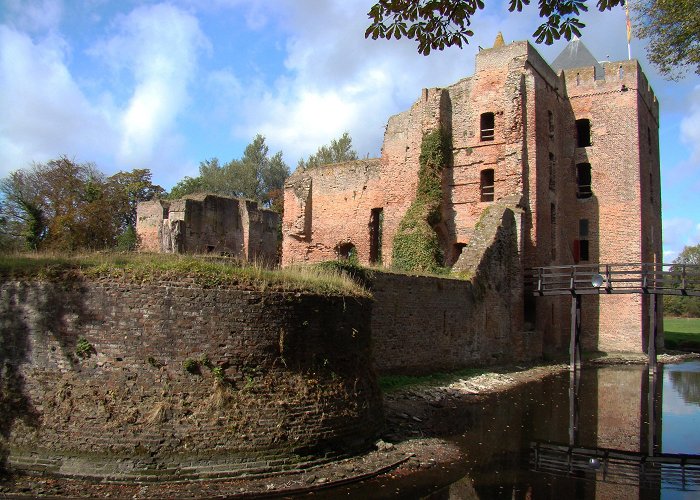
(612, 432)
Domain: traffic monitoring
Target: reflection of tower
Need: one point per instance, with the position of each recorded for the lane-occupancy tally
(614, 435)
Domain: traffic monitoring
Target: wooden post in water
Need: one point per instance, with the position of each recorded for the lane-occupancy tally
(574, 343)
(653, 325)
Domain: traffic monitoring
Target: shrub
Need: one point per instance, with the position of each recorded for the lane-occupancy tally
(83, 348)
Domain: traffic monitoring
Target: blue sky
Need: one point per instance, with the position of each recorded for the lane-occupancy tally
(163, 85)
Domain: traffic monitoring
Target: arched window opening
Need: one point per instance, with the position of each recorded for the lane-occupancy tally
(488, 125)
(583, 133)
(583, 181)
(487, 185)
(550, 121)
(346, 251)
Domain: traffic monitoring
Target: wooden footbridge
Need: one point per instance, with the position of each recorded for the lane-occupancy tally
(651, 279)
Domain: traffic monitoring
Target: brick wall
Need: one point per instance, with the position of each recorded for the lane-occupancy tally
(425, 324)
(205, 223)
(299, 385)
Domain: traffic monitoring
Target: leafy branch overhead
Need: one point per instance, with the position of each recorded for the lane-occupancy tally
(436, 24)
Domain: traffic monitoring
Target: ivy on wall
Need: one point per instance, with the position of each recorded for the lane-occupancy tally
(416, 245)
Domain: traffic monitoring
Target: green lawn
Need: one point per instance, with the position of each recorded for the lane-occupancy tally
(682, 333)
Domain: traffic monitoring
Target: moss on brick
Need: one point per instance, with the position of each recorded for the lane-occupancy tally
(416, 245)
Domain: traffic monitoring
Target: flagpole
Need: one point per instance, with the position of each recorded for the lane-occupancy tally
(629, 30)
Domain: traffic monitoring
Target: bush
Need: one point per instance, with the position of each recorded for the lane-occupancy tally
(128, 241)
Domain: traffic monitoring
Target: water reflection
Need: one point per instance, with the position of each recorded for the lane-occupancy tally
(612, 433)
(600, 435)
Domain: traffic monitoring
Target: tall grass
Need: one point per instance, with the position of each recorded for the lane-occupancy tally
(201, 269)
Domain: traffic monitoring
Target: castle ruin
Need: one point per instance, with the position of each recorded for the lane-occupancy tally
(571, 149)
(207, 223)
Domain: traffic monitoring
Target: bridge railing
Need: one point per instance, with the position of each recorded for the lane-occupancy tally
(658, 278)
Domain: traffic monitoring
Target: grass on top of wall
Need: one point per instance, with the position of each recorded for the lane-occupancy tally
(201, 269)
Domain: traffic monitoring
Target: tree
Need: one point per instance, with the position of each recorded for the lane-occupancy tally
(186, 186)
(673, 30)
(127, 189)
(684, 306)
(337, 151)
(65, 205)
(436, 24)
(23, 217)
(257, 175)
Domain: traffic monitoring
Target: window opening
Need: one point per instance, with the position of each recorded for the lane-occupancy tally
(376, 221)
(487, 185)
(649, 138)
(487, 126)
(581, 246)
(552, 169)
(651, 188)
(347, 251)
(210, 248)
(458, 248)
(583, 228)
(550, 117)
(583, 181)
(583, 133)
(553, 229)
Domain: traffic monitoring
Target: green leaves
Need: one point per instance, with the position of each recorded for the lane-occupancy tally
(436, 24)
(416, 245)
(257, 176)
(339, 150)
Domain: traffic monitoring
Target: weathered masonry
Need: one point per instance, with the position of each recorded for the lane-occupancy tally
(206, 223)
(571, 149)
(124, 378)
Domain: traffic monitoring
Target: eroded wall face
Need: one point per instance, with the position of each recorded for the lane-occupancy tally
(149, 224)
(328, 209)
(209, 224)
(295, 383)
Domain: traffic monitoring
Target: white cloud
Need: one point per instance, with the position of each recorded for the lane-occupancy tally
(679, 232)
(158, 46)
(45, 114)
(690, 126)
(34, 17)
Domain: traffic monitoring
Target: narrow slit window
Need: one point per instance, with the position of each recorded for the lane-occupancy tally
(488, 124)
(552, 170)
(553, 229)
(375, 235)
(550, 118)
(583, 133)
(487, 185)
(583, 181)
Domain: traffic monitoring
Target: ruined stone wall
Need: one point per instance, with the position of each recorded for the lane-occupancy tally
(205, 223)
(330, 206)
(533, 154)
(424, 324)
(287, 381)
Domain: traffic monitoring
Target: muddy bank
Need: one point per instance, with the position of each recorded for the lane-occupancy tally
(413, 445)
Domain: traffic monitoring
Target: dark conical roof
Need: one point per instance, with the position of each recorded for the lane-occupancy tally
(577, 55)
